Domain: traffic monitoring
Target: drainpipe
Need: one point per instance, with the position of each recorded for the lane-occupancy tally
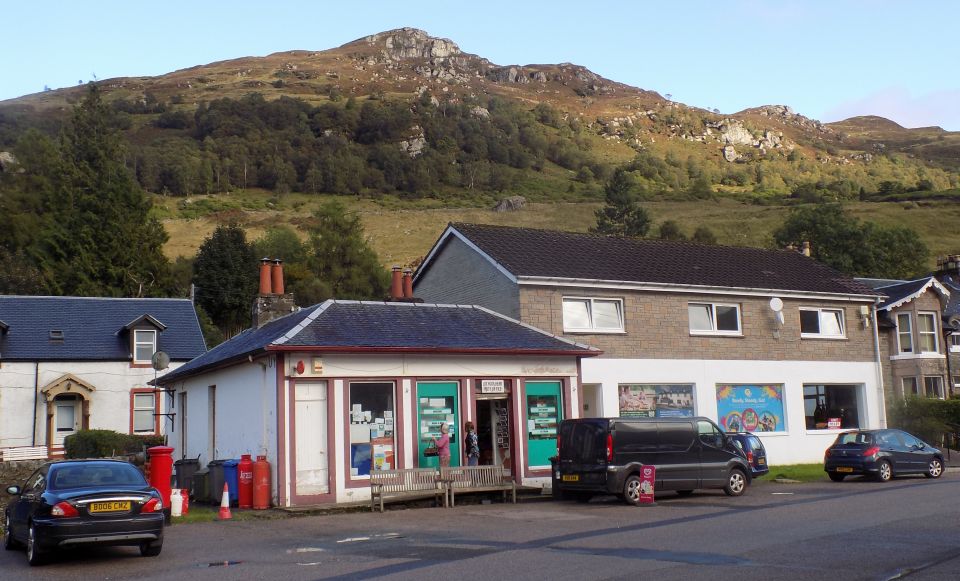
(876, 348)
(36, 399)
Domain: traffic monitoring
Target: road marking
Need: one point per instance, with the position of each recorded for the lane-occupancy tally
(353, 539)
(305, 550)
(781, 493)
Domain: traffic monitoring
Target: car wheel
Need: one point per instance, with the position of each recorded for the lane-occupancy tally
(684, 492)
(884, 471)
(736, 483)
(836, 477)
(34, 553)
(934, 469)
(151, 549)
(8, 541)
(631, 490)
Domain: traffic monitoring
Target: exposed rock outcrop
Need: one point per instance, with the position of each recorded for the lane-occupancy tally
(511, 204)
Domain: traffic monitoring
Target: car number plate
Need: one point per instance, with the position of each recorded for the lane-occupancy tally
(844, 469)
(115, 506)
(571, 477)
(761, 461)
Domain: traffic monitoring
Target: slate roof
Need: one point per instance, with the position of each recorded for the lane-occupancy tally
(904, 291)
(93, 328)
(526, 252)
(367, 326)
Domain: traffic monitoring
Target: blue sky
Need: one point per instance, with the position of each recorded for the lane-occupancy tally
(828, 59)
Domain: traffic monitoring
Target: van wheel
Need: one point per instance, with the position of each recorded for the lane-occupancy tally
(151, 549)
(684, 492)
(736, 483)
(631, 490)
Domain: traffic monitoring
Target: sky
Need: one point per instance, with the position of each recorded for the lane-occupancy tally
(828, 59)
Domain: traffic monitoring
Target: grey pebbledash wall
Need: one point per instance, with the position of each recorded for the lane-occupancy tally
(15, 473)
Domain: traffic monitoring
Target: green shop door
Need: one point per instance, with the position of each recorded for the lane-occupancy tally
(437, 403)
(544, 412)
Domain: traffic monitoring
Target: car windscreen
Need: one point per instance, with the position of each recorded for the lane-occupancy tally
(95, 475)
(855, 438)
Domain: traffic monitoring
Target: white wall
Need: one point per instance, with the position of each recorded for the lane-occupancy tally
(796, 444)
(109, 403)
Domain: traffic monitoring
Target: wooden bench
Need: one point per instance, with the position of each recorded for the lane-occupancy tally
(24, 453)
(407, 483)
(477, 479)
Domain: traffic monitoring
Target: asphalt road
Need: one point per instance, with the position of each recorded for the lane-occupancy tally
(904, 529)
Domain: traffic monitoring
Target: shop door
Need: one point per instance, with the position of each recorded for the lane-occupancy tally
(310, 438)
(544, 411)
(437, 403)
(66, 417)
(493, 432)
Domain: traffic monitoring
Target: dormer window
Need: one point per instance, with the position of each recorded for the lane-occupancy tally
(144, 345)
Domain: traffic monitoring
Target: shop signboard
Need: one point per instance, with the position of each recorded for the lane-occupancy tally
(493, 386)
(648, 477)
(643, 400)
(750, 407)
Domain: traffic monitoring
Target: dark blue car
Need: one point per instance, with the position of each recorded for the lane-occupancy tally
(750, 447)
(881, 454)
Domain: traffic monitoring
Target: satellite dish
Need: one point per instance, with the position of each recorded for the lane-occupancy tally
(776, 305)
(160, 360)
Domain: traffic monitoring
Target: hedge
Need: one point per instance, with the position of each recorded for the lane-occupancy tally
(106, 443)
(929, 419)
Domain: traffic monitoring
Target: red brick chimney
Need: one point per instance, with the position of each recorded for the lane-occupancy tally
(277, 277)
(396, 284)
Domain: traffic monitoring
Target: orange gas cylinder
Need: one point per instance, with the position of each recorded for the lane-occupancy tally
(261, 483)
(245, 494)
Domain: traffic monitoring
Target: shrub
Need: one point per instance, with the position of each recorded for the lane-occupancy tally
(926, 418)
(106, 443)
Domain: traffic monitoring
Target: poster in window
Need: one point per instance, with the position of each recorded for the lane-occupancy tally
(656, 400)
(372, 440)
(542, 417)
(434, 412)
(750, 408)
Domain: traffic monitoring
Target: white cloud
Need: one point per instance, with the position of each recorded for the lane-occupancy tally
(940, 108)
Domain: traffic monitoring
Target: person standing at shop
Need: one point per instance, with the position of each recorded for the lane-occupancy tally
(471, 445)
(443, 445)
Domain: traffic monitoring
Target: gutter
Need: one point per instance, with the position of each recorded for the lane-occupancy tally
(431, 350)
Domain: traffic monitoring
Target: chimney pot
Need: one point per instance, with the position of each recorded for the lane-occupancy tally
(407, 283)
(806, 248)
(277, 283)
(266, 284)
(396, 284)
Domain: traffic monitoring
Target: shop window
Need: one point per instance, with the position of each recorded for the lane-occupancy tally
(372, 435)
(714, 319)
(437, 404)
(831, 407)
(927, 332)
(904, 333)
(655, 400)
(910, 387)
(933, 386)
(144, 345)
(750, 407)
(144, 410)
(592, 315)
(821, 323)
(544, 413)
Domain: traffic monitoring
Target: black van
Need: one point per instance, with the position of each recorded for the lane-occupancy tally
(604, 456)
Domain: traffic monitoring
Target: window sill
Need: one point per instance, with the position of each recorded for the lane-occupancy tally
(903, 356)
(595, 332)
(823, 337)
(715, 334)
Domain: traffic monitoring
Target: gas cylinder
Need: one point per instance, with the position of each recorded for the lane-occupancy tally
(261, 483)
(245, 469)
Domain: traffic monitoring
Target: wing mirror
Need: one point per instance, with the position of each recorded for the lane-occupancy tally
(13, 490)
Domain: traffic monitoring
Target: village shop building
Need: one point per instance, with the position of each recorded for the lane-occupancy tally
(332, 392)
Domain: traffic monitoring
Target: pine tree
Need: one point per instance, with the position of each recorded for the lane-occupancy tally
(341, 258)
(225, 274)
(621, 216)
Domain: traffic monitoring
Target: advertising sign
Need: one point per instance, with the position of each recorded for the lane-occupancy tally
(648, 476)
(493, 386)
(750, 408)
(656, 400)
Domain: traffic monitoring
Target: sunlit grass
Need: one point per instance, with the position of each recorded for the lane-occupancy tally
(800, 472)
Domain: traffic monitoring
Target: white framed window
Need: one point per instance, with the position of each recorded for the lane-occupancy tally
(585, 314)
(144, 345)
(144, 412)
(927, 332)
(714, 319)
(910, 387)
(933, 387)
(955, 342)
(822, 323)
(904, 333)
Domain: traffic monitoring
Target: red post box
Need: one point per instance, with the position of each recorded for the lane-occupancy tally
(161, 468)
(245, 494)
(261, 483)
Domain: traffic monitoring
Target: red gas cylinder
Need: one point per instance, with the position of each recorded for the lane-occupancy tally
(261, 483)
(161, 468)
(245, 469)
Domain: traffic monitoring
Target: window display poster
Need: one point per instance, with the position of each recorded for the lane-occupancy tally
(372, 440)
(750, 408)
(544, 413)
(437, 405)
(656, 400)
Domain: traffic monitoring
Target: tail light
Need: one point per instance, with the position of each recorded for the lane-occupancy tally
(609, 447)
(558, 443)
(826, 454)
(872, 451)
(750, 457)
(64, 510)
(152, 505)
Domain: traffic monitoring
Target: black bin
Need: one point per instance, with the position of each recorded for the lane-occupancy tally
(200, 489)
(184, 469)
(215, 486)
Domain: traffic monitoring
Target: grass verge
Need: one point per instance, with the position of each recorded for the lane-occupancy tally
(801, 472)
